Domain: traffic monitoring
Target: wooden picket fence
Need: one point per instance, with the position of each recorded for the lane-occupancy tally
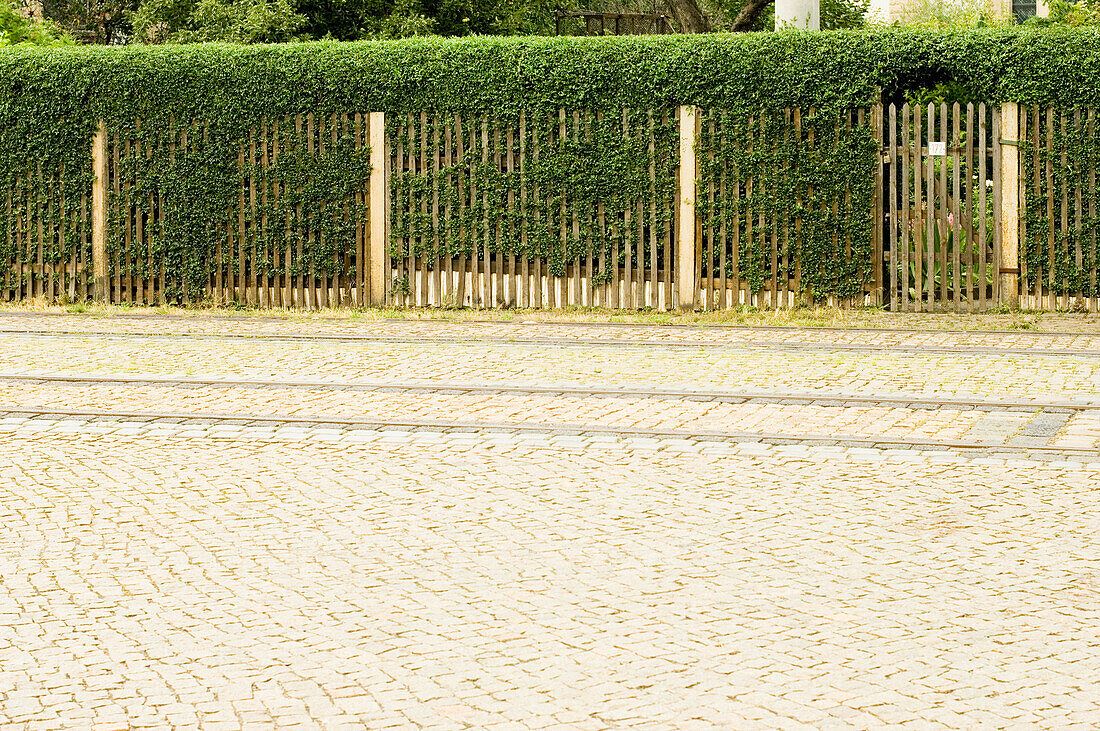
(246, 266)
(941, 208)
(621, 257)
(1058, 234)
(975, 207)
(743, 220)
(44, 214)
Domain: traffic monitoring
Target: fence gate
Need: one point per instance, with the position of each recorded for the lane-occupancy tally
(941, 191)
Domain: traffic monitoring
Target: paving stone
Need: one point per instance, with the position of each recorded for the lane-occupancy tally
(312, 576)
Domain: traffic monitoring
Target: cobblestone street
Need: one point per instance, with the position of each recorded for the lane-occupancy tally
(263, 523)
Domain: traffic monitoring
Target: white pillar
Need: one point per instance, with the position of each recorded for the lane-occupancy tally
(804, 14)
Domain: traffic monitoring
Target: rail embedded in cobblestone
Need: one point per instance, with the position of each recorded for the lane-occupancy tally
(352, 424)
(754, 345)
(912, 401)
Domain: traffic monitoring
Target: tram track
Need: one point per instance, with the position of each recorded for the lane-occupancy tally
(329, 424)
(912, 401)
(506, 340)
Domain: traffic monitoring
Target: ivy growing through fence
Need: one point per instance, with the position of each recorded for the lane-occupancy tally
(565, 187)
(52, 100)
(785, 199)
(287, 195)
(1060, 154)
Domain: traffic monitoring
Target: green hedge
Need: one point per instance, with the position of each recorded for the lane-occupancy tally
(49, 93)
(50, 99)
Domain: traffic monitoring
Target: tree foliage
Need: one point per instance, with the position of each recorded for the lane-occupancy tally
(1085, 13)
(266, 21)
(115, 22)
(228, 21)
(16, 29)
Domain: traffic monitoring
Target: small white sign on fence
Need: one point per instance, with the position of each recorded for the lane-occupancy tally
(937, 149)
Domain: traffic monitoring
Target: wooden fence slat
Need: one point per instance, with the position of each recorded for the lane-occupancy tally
(1077, 294)
(653, 299)
(983, 249)
(668, 212)
(706, 263)
(557, 298)
(1035, 285)
(506, 269)
(463, 262)
(1063, 172)
(968, 209)
(539, 225)
(942, 226)
(262, 254)
(117, 252)
(43, 278)
(301, 233)
(927, 290)
(126, 261)
(527, 291)
(749, 215)
(318, 273)
(9, 236)
(892, 197)
(395, 271)
(877, 232)
(1051, 233)
(955, 210)
(423, 297)
(338, 280)
(723, 223)
(917, 249)
(591, 294)
(361, 223)
(575, 221)
(282, 254)
(774, 215)
(430, 137)
(448, 293)
(628, 248)
(849, 123)
(1093, 296)
(995, 131)
(485, 290)
(833, 208)
(22, 211)
(906, 156)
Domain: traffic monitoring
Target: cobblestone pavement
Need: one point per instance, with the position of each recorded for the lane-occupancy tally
(207, 572)
(989, 374)
(1031, 427)
(671, 334)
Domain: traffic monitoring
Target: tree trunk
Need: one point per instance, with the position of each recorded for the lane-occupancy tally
(689, 16)
(750, 11)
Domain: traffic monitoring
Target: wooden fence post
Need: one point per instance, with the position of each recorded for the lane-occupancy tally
(379, 208)
(99, 214)
(1010, 205)
(685, 239)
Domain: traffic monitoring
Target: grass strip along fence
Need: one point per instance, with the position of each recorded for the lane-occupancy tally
(661, 172)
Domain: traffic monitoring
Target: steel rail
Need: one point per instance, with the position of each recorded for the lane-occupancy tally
(443, 425)
(912, 401)
(768, 345)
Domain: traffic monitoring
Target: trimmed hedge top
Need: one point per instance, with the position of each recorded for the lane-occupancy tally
(756, 70)
(49, 98)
